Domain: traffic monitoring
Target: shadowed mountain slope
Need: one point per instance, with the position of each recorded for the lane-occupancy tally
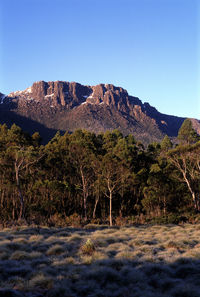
(50, 106)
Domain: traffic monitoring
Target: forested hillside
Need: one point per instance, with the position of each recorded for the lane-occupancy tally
(107, 178)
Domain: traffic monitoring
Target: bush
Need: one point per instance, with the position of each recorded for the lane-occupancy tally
(73, 220)
(121, 221)
(88, 248)
(95, 221)
(169, 219)
(56, 220)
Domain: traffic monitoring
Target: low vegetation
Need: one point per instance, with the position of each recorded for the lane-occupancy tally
(102, 261)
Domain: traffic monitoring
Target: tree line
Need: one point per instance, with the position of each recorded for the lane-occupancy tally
(100, 178)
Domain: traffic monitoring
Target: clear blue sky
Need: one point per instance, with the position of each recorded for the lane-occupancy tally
(149, 47)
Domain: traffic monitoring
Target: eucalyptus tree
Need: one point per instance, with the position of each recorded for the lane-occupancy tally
(111, 178)
(113, 169)
(186, 159)
(82, 152)
(126, 151)
(187, 134)
(159, 189)
(166, 144)
(54, 181)
(18, 155)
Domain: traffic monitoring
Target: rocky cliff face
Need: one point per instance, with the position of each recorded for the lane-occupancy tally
(65, 106)
(69, 95)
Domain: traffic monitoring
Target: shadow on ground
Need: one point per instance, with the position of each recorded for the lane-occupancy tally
(48, 262)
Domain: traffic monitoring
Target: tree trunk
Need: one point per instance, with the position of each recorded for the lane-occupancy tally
(13, 208)
(85, 207)
(194, 198)
(95, 207)
(110, 189)
(197, 201)
(121, 201)
(96, 202)
(164, 207)
(110, 208)
(2, 198)
(21, 212)
(85, 194)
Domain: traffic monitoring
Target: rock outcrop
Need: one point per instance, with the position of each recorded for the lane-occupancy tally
(67, 106)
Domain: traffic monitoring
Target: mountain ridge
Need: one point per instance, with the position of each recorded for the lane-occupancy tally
(66, 106)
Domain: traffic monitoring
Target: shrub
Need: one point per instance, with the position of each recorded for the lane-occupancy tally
(88, 248)
(96, 221)
(120, 221)
(169, 219)
(56, 220)
(73, 220)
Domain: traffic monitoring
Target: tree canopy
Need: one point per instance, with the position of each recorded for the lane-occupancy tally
(96, 178)
(187, 134)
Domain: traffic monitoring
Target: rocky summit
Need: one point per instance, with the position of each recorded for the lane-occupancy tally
(66, 106)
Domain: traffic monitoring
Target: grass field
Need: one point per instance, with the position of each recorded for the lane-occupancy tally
(100, 261)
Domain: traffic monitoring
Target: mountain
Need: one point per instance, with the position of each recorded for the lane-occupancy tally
(50, 106)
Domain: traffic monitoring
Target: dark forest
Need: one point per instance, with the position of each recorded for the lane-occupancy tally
(82, 178)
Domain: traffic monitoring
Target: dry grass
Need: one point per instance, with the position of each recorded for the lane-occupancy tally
(160, 261)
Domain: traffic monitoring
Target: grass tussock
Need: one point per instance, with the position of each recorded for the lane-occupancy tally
(55, 250)
(148, 261)
(19, 255)
(41, 281)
